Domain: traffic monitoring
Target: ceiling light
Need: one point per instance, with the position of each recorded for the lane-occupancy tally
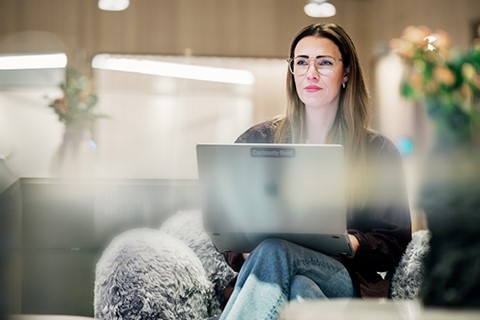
(319, 9)
(113, 5)
(33, 61)
(175, 70)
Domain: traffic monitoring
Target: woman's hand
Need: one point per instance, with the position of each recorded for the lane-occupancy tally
(355, 244)
(245, 255)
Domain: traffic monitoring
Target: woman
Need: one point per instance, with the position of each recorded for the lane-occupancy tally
(328, 103)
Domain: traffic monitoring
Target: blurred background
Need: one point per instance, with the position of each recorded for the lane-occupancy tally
(162, 75)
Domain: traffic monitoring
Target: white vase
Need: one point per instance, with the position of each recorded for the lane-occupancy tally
(75, 157)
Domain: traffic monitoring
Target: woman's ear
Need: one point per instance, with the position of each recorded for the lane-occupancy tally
(345, 74)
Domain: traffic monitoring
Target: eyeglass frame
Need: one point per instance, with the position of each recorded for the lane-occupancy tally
(319, 70)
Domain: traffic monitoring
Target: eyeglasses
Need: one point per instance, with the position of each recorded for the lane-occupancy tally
(324, 65)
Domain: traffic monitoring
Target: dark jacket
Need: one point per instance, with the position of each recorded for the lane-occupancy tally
(382, 225)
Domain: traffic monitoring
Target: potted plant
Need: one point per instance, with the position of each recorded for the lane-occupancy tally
(447, 83)
(76, 109)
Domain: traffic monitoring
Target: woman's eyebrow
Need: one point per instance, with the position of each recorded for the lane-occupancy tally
(319, 56)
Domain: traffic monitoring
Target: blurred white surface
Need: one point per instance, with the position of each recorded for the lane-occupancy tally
(155, 122)
(46, 317)
(371, 309)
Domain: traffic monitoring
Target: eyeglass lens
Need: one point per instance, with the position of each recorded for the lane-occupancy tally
(324, 65)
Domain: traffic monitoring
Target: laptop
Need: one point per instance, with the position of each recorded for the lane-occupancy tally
(251, 192)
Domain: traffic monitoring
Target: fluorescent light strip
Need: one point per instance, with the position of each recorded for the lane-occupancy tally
(33, 61)
(175, 70)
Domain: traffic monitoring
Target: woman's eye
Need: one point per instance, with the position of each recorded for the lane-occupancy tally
(302, 62)
(324, 62)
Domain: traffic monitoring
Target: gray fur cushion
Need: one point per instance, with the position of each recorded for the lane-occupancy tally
(148, 274)
(188, 226)
(176, 273)
(408, 277)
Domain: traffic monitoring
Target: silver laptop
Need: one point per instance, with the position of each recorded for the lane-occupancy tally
(251, 192)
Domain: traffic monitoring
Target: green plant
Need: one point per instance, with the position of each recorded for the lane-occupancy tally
(77, 106)
(445, 80)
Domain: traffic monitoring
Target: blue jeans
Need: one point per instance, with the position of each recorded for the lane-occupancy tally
(278, 271)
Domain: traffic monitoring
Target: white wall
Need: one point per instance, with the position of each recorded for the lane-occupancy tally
(155, 122)
(401, 119)
(153, 135)
(30, 131)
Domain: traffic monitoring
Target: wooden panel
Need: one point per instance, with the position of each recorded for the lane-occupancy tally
(215, 27)
(254, 28)
(8, 20)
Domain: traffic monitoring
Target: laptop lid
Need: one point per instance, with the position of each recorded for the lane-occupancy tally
(251, 192)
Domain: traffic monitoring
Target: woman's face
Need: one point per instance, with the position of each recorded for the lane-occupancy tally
(319, 89)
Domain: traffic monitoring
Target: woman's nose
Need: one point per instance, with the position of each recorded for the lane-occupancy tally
(312, 72)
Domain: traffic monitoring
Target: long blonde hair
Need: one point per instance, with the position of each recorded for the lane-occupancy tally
(352, 120)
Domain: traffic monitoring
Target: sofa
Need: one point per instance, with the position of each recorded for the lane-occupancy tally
(174, 272)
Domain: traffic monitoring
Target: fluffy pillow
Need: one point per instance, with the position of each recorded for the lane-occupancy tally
(408, 277)
(188, 226)
(147, 274)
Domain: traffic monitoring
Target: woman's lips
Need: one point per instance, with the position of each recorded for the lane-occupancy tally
(312, 88)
